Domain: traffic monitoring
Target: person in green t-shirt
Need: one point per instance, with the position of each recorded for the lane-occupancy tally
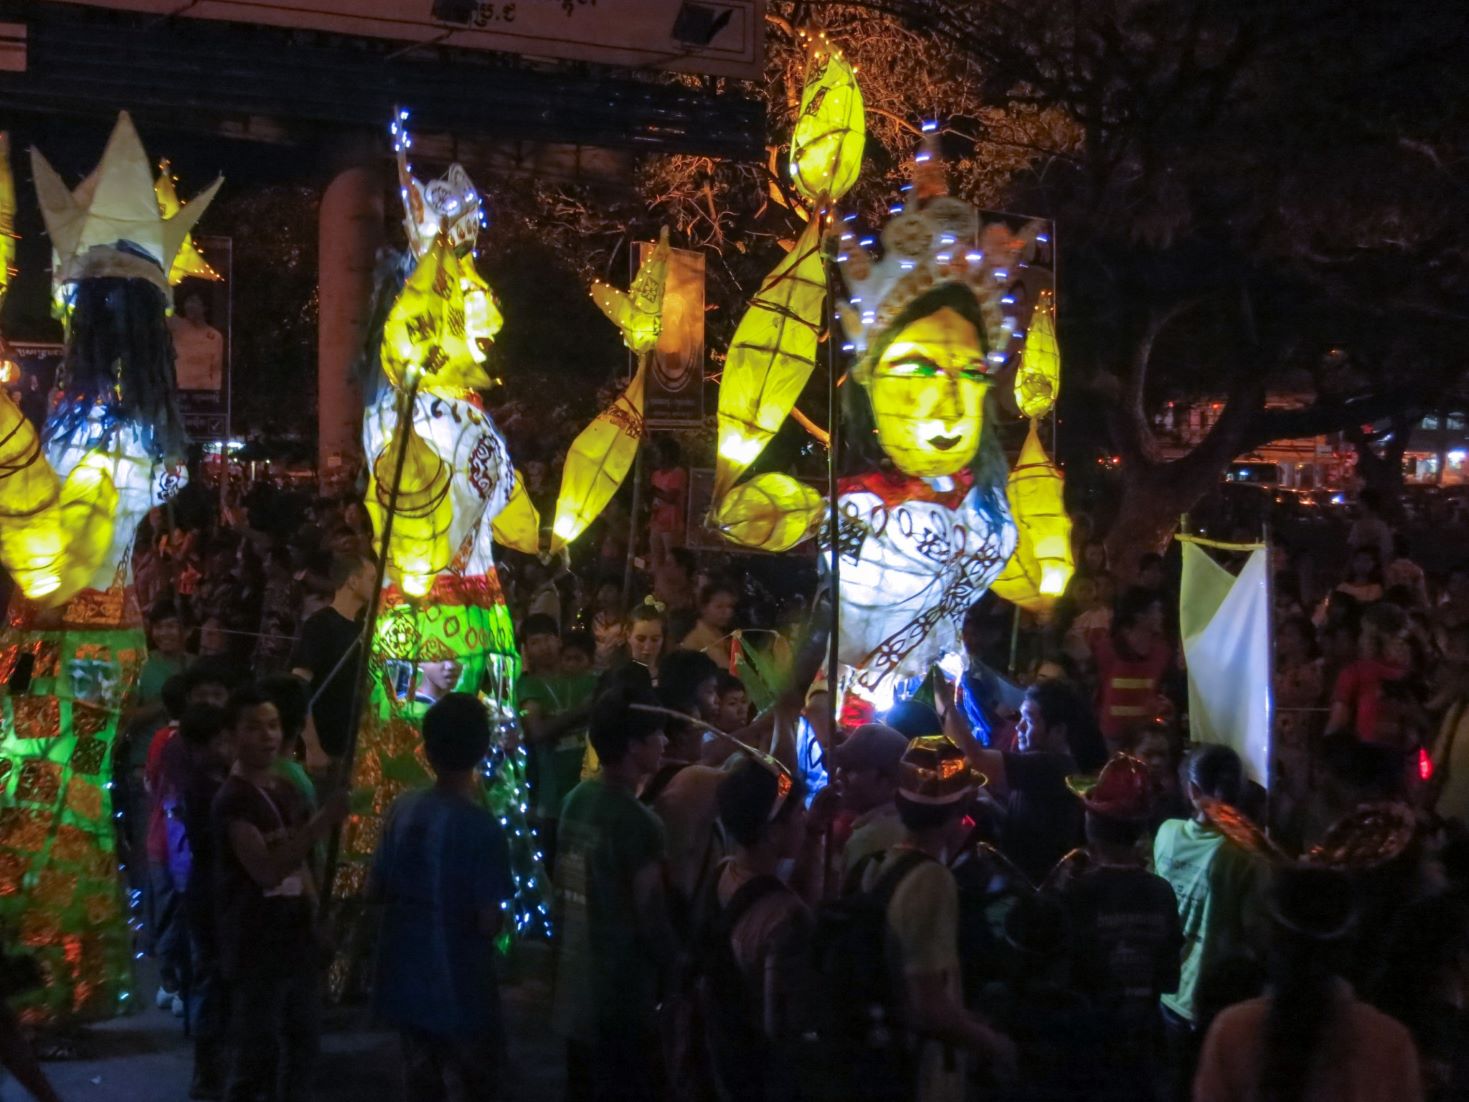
(554, 696)
(615, 936)
(166, 655)
(1217, 883)
(291, 698)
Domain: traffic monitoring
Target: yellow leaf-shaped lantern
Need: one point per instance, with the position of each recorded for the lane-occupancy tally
(771, 358)
(518, 525)
(826, 148)
(1041, 568)
(439, 325)
(770, 512)
(418, 548)
(774, 348)
(638, 312)
(190, 262)
(1038, 378)
(604, 451)
(598, 461)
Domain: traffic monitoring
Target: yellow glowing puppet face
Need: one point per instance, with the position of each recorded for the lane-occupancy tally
(927, 394)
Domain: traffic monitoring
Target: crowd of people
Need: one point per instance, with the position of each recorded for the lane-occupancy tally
(1020, 881)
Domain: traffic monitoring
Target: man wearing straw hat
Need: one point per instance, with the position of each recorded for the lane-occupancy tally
(936, 787)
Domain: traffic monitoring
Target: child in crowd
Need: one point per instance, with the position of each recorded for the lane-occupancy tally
(734, 703)
(442, 872)
(265, 909)
(166, 655)
(608, 625)
(1217, 884)
(717, 602)
(578, 654)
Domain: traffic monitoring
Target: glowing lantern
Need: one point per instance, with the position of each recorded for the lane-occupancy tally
(116, 203)
(1041, 567)
(458, 490)
(598, 461)
(518, 525)
(70, 502)
(431, 337)
(770, 359)
(638, 313)
(604, 451)
(826, 148)
(770, 512)
(774, 348)
(1038, 378)
(422, 511)
(189, 263)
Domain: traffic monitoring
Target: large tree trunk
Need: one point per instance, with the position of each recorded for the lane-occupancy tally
(1154, 499)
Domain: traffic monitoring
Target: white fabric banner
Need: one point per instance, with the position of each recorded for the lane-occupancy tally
(1225, 623)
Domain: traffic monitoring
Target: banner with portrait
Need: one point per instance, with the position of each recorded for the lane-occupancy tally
(675, 387)
(200, 327)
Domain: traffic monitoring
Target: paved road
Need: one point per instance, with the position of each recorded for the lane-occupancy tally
(146, 1058)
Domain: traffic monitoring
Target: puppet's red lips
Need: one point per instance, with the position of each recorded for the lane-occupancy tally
(943, 443)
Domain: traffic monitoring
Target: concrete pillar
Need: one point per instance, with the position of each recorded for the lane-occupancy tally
(350, 232)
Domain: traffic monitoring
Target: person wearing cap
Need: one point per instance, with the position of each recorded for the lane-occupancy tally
(867, 777)
(1310, 1038)
(1126, 932)
(936, 787)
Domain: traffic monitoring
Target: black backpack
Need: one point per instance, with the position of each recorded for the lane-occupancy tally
(860, 1013)
(731, 1017)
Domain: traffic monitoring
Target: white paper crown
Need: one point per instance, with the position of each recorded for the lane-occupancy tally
(450, 204)
(935, 239)
(110, 225)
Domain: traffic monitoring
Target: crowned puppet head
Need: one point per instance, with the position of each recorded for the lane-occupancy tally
(928, 320)
(110, 225)
(449, 205)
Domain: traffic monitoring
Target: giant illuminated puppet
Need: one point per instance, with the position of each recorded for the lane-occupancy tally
(71, 498)
(441, 489)
(927, 520)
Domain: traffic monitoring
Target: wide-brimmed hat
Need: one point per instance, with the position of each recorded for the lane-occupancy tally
(1123, 790)
(935, 771)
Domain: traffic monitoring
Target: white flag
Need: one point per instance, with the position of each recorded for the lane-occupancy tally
(1225, 622)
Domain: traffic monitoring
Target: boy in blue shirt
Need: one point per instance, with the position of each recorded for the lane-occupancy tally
(442, 872)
